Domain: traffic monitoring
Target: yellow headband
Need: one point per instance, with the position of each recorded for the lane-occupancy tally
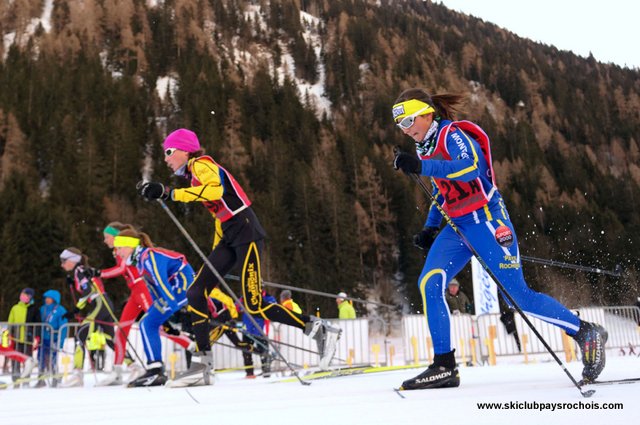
(125, 241)
(411, 107)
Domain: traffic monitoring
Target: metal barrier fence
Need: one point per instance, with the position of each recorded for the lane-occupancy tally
(477, 339)
(418, 345)
(301, 351)
(353, 346)
(27, 347)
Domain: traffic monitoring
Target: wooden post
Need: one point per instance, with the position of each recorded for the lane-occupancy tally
(392, 352)
(429, 349)
(414, 346)
(66, 361)
(566, 343)
(525, 340)
(490, 345)
(376, 353)
(350, 357)
(472, 343)
(173, 357)
(463, 359)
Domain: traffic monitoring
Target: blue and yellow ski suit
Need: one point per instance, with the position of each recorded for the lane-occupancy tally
(167, 275)
(462, 176)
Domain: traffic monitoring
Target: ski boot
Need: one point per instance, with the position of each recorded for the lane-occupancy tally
(136, 371)
(591, 338)
(152, 378)
(29, 364)
(266, 365)
(443, 373)
(330, 343)
(326, 337)
(199, 373)
(113, 378)
(75, 380)
(40, 382)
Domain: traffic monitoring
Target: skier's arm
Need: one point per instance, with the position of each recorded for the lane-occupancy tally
(115, 271)
(83, 282)
(211, 189)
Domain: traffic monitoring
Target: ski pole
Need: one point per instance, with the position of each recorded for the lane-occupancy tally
(484, 265)
(312, 292)
(615, 273)
(224, 283)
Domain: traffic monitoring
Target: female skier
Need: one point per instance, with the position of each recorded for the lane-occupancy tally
(91, 293)
(168, 275)
(457, 157)
(238, 240)
(139, 301)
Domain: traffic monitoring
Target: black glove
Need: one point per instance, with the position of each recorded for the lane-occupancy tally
(425, 238)
(153, 190)
(71, 313)
(408, 163)
(89, 273)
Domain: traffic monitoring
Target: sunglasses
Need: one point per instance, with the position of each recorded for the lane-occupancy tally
(170, 151)
(406, 122)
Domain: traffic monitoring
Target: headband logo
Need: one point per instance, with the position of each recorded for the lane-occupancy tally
(397, 111)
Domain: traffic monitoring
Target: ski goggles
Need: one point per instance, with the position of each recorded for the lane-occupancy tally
(405, 113)
(125, 241)
(170, 151)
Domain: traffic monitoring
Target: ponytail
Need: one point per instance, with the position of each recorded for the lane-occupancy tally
(445, 104)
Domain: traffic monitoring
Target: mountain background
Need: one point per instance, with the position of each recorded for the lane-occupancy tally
(294, 98)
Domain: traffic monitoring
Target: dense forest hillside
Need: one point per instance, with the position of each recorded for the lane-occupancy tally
(294, 97)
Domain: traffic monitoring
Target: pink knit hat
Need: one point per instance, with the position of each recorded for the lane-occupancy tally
(183, 139)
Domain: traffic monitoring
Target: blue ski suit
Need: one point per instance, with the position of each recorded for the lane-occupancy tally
(167, 275)
(462, 177)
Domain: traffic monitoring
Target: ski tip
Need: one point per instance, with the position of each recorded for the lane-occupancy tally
(398, 391)
(588, 393)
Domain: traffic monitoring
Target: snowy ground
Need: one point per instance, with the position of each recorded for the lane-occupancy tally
(361, 399)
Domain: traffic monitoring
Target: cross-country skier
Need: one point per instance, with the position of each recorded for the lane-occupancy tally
(238, 241)
(167, 275)
(139, 301)
(457, 157)
(92, 294)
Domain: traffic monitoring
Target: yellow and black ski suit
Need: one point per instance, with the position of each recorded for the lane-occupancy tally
(238, 241)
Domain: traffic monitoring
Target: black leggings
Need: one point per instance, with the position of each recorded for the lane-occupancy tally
(225, 258)
(99, 318)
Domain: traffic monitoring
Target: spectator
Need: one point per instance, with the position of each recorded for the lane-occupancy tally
(345, 308)
(26, 338)
(457, 301)
(51, 313)
(288, 302)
